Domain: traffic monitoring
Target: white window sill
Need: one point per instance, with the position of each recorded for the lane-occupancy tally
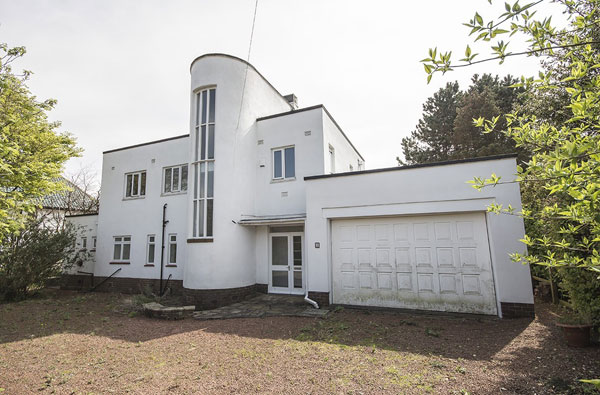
(173, 193)
(134, 197)
(278, 180)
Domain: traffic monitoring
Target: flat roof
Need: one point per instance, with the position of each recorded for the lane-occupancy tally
(408, 167)
(282, 114)
(148, 143)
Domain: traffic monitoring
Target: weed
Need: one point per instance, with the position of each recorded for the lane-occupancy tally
(461, 370)
(432, 332)
(437, 365)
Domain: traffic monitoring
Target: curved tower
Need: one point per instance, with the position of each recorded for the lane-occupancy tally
(227, 95)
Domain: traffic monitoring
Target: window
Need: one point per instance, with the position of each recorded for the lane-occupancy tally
(151, 249)
(360, 164)
(284, 163)
(331, 159)
(172, 249)
(350, 167)
(175, 179)
(204, 164)
(135, 184)
(93, 243)
(84, 243)
(122, 248)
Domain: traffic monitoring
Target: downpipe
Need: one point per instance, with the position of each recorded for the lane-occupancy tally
(162, 249)
(306, 298)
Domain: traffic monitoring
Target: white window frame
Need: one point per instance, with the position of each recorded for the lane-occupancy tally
(180, 178)
(148, 244)
(331, 159)
(141, 174)
(122, 242)
(84, 242)
(282, 150)
(171, 243)
(201, 166)
(94, 243)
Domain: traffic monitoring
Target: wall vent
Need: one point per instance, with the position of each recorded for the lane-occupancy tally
(261, 142)
(307, 133)
(284, 194)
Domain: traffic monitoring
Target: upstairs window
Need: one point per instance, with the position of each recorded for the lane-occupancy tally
(84, 243)
(135, 184)
(284, 163)
(122, 248)
(93, 243)
(175, 179)
(204, 164)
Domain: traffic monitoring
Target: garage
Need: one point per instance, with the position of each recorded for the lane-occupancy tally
(427, 262)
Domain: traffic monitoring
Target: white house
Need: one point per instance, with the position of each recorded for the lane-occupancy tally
(263, 196)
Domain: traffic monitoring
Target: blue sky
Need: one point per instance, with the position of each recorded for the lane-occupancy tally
(120, 69)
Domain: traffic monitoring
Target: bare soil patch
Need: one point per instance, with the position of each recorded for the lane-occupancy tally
(95, 343)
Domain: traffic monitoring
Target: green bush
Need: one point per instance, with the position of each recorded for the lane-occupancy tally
(32, 256)
(583, 289)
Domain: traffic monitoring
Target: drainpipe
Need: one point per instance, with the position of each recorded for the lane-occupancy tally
(162, 248)
(306, 298)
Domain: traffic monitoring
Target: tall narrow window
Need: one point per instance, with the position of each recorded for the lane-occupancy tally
(284, 163)
(84, 243)
(172, 249)
(331, 159)
(135, 184)
(151, 250)
(93, 243)
(175, 179)
(204, 164)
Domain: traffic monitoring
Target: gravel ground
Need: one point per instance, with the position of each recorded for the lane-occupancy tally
(95, 343)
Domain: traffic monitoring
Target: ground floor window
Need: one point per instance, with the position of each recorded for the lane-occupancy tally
(172, 249)
(151, 249)
(122, 248)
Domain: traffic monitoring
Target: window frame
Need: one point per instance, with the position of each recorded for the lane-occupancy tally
(143, 176)
(94, 243)
(122, 243)
(148, 244)
(331, 159)
(83, 242)
(203, 164)
(171, 243)
(283, 175)
(180, 190)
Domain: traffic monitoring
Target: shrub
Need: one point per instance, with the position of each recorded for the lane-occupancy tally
(583, 288)
(32, 256)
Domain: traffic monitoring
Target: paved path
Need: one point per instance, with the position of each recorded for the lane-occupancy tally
(263, 306)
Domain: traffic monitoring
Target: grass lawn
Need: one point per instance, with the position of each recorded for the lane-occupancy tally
(94, 343)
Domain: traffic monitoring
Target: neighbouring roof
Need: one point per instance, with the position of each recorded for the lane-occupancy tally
(396, 168)
(272, 219)
(72, 199)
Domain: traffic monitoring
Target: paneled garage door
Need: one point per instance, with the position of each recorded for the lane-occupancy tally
(435, 262)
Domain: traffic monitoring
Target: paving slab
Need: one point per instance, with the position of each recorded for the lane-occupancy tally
(264, 306)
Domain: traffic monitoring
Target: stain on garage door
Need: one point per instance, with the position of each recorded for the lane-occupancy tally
(433, 262)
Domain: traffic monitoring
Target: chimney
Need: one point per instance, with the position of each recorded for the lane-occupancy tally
(293, 100)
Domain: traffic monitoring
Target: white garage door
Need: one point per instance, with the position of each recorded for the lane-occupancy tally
(435, 262)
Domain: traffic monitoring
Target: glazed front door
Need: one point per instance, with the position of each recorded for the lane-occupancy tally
(286, 263)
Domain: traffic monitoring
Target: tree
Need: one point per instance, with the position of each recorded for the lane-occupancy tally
(446, 130)
(32, 152)
(432, 139)
(560, 124)
(30, 257)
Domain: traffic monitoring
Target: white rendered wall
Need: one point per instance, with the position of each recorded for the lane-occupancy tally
(345, 154)
(140, 217)
(425, 190)
(276, 197)
(85, 226)
(229, 261)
